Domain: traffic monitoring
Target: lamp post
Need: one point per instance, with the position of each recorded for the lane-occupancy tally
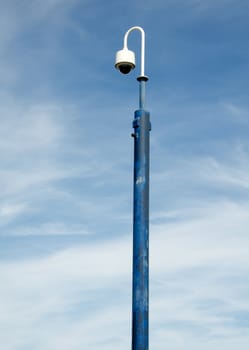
(125, 62)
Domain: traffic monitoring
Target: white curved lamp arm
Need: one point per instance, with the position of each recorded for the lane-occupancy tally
(142, 44)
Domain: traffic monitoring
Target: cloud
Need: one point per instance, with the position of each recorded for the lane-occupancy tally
(198, 287)
(33, 34)
(32, 149)
(237, 112)
(10, 210)
(49, 228)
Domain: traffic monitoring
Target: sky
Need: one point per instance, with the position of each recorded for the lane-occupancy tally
(66, 173)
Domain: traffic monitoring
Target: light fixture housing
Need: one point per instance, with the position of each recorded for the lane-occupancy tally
(125, 60)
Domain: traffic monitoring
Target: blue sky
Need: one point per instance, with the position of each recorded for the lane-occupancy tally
(66, 173)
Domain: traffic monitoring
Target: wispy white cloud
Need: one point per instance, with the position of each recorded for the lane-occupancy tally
(239, 113)
(31, 44)
(10, 210)
(198, 287)
(49, 228)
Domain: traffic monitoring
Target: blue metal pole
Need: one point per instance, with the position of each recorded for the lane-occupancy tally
(140, 288)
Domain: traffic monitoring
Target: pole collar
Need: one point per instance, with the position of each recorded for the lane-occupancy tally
(142, 78)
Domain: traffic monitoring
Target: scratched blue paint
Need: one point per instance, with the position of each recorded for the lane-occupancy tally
(140, 288)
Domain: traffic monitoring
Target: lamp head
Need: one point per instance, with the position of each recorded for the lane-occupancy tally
(125, 61)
